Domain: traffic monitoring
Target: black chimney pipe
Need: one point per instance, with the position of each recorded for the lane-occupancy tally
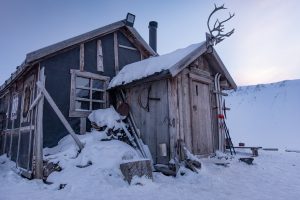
(153, 35)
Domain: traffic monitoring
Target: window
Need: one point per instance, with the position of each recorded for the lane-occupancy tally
(14, 109)
(26, 105)
(88, 92)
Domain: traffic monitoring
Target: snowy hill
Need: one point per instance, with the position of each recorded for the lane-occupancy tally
(266, 115)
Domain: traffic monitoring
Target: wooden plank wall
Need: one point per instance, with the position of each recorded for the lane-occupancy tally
(154, 125)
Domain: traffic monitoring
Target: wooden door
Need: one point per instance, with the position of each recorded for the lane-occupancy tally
(149, 105)
(201, 118)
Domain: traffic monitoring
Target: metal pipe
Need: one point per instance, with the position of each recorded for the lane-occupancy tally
(153, 35)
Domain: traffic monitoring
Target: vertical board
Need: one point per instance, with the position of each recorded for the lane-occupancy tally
(160, 113)
(116, 52)
(153, 125)
(99, 56)
(173, 115)
(81, 57)
(186, 111)
(201, 118)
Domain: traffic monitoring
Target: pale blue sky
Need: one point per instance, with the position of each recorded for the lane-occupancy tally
(265, 47)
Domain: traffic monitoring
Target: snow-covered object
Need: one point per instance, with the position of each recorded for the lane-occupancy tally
(106, 117)
(105, 156)
(152, 65)
(266, 115)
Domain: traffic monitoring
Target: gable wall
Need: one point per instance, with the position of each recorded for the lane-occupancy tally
(58, 79)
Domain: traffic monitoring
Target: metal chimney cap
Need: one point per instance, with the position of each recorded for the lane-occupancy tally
(153, 24)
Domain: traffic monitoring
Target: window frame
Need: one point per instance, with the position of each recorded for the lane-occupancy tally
(73, 112)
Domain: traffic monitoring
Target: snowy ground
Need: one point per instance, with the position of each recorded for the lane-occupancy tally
(263, 115)
(274, 175)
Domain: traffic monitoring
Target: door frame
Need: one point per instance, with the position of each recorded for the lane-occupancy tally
(205, 79)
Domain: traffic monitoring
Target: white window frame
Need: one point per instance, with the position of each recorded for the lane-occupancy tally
(73, 112)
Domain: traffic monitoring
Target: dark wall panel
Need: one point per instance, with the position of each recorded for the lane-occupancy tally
(108, 55)
(122, 39)
(24, 150)
(14, 146)
(7, 144)
(58, 83)
(90, 56)
(127, 56)
(2, 139)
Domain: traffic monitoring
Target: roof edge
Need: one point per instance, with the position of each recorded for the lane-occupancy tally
(45, 51)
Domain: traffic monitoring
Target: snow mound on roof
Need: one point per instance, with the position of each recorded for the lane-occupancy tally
(106, 117)
(150, 66)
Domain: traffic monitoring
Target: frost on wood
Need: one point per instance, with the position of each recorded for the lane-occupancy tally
(140, 168)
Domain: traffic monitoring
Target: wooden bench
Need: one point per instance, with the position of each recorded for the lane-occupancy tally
(253, 149)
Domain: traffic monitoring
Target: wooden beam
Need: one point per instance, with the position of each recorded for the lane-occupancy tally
(173, 114)
(60, 115)
(35, 102)
(99, 56)
(127, 47)
(39, 130)
(186, 111)
(82, 125)
(116, 53)
(81, 57)
(180, 108)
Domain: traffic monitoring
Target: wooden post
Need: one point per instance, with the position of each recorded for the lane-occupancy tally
(99, 56)
(116, 52)
(60, 115)
(82, 125)
(39, 130)
(81, 57)
(173, 114)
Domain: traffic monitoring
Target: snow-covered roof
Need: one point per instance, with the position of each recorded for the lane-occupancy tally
(172, 62)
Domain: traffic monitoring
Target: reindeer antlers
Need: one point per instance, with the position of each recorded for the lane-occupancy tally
(218, 28)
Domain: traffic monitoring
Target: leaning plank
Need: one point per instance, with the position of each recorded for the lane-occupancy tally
(35, 102)
(60, 115)
(136, 168)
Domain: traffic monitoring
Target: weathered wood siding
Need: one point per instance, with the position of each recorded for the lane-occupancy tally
(194, 113)
(154, 125)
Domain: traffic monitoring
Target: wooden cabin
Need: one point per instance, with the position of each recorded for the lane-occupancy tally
(173, 97)
(76, 73)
